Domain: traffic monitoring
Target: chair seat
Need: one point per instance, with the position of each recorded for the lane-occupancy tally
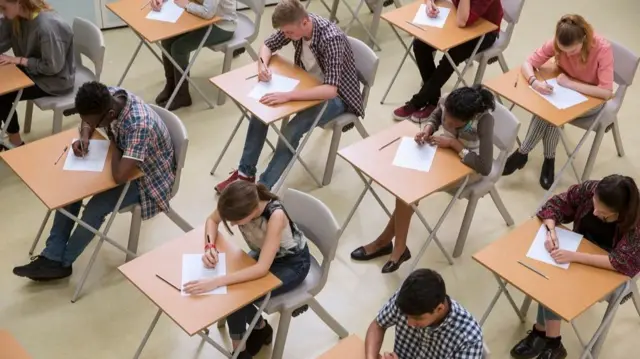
(244, 29)
(584, 122)
(341, 121)
(295, 298)
(128, 208)
(496, 49)
(66, 102)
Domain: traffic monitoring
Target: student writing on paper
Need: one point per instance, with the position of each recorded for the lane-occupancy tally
(275, 242)
(585, 60)
(467, 129)
(142, 142)
(180, 47)
(420, 106)
(428, 323)
(42, 44)
(607, 213)
(323, 50)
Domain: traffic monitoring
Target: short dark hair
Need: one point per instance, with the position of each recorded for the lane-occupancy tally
(93, 98)
(421, 293)
(465, 103)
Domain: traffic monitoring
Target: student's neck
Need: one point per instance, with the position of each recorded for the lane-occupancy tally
(119, 105)
(261, 206)
(445, 313)
(308, 35)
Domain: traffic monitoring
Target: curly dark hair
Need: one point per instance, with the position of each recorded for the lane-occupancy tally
(93, 98)
(465, 103)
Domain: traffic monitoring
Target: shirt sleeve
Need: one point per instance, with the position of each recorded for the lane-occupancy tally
(276, 41)
(136, 142)
(53, 54)
(435, 118)
(5, 35)
(605, 67)
(389, 315)
(471, 350)
(562, 207)
(477, 10)
(625, 257)
(482, 162)
(334, 52)
(206, 11)
(542, 55)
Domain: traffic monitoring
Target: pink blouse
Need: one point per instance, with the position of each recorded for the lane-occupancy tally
(597, 71)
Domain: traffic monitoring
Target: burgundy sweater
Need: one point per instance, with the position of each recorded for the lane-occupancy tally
(490, 10)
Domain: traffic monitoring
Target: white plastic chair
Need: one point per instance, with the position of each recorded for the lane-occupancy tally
(245, 34)
(367, 67)
(625, 64)
(505, 131)
(87, 41)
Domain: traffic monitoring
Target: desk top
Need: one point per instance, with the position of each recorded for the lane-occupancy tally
(351, 347)
(152, 31)
(407, 184)
(440, 38)
(524, 96)
(34, 164)
(10, 348)
(193, 313)
(13, 79)
(567, 293)
(236, 85)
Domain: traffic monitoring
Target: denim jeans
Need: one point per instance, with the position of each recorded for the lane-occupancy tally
(181, 46)
(291, 270)
(293, 132)
(62, 246)
(545, 314)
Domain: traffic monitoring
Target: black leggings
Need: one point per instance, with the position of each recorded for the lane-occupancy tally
(6, 101)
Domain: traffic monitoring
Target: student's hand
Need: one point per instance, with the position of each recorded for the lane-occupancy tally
(181, 3)
(551, 243)
(432, 9)
(210, 258)
(390, 356)
(423, 137)
(562, 256)
(6, 60)
(542, 87)
(441, 141)
(78, 146)
(565, 81)
(196, 287)
(275, 98)
(156, 5)
(264, 74)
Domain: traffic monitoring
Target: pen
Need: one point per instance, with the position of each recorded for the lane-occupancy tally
(543, 79)
(388, 144)
(414, 25)
(62, 154)
(533, 269)
(169, 283)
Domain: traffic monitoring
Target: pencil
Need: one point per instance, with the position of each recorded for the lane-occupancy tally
(250, 77)
(517, 79)
(543, 79)
(62, 154)
(533, 269)
(169, 283)
(414, 25)
(388, 144)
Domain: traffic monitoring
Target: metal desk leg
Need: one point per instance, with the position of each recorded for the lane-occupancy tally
(354, 13)
(135, 54)
(7, 121)
(404, 58)
(466, 66)
(42, 225)
(367, 187)
(147, 334)
(502, 288)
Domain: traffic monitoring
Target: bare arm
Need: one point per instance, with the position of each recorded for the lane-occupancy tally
(122, 168)
(594, 260)
(463, 11)
(265, 54)
(373, 341)
(527, 70)
(591, 90)
(211, 227)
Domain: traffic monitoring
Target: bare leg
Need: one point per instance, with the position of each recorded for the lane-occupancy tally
(540, 327)
(553, 328)
(402, 216)
(384, 238)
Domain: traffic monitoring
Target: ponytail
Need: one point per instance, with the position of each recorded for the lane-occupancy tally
(264, 194)
(465, 103)
(573, 29)
(486, 97)
(620, 194)
(240, 199)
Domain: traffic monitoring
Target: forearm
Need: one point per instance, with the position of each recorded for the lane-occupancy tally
(464, 8)
(322, 92)
(248, 274)
(86, 131)
(265, 54)
(115, 165)
(211, 229)
(591, 90)
(527, 70)
(373, 341)
(595, 260)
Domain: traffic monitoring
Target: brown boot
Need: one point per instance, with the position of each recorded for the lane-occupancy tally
(169, 75)
(183, 98)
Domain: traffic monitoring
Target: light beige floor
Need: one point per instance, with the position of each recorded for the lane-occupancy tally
(112, 316)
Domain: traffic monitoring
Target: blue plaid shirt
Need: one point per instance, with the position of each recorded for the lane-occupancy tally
(142, 135)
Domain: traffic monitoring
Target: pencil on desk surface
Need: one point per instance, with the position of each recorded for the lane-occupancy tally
(414, 25)
(533, 269)
(517, 79)
(169, 283)
(62, 154)
(388, 144)
(250, 77)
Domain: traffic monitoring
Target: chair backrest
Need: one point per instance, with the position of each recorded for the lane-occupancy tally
(505, 132)
(318, 224)
(88, 41)
(257, 6)
(179, 138)
(366, 65)
(512, 10)
(625, 65)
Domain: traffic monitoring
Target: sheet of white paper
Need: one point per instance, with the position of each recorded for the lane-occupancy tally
(568, 241)
(170, 12)
(414, 156)
(277, 84)
(422, 19)
(92, 161)
(562, 97)
(193, 269)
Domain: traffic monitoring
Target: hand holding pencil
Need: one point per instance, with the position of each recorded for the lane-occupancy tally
(210, 256)
(264, 74)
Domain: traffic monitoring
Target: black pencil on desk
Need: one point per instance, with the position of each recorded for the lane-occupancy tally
(62, 154)
(169, 283)
(388, 144)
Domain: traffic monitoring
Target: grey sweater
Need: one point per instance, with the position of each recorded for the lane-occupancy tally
(207, 9)
(47, 43)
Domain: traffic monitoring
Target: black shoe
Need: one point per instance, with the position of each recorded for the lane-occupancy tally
(43, 269)
(238, 52)
(547, 174)
(387, 3)
(515, 162)
(259, 338)
(558, 352)
(359, 254)
(531, 346)
(392, 266)
(244, 355)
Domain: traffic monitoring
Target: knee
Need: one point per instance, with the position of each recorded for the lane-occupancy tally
(95, 211)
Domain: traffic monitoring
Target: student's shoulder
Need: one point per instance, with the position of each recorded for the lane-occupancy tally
(602, 45)
(328, 30)
(52, 22)
(466, 323)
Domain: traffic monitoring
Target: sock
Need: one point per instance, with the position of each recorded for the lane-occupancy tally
(242, 174)
(554, 343)
(541, 333)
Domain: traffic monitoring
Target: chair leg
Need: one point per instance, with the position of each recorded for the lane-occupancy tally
(360, 127)
(482, 66)
(501, 207)
(251, 52)
(222, 322)
(593, 153)
(178, 220)
(466, 224)
(134, 231)
(503, 63)
(617, 139)
(28, 116)
(226, 66)
(330, 321)
(331, 158)
(281, 336)
(57, 122)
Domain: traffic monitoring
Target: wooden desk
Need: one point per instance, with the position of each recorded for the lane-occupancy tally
(13, 79)
(193, 313)
(524, 96)
(10, 348)
(348, 348)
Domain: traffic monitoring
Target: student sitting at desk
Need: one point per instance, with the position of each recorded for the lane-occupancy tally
(323, 50)
(468, 129)
(434, 77)
(275, 242)
(586, 62)
(429, 324)
(605, 212)
(42, 43)
(142, 142)
(181, 46)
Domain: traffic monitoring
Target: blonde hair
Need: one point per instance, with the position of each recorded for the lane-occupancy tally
(31, 7)
(572, 29)
(288, 12)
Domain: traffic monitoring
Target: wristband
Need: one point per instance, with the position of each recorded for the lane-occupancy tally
(210, 246)
(532, 79)
(463, 153)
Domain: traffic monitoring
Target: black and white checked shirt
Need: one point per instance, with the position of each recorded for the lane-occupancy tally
(334, 55)
(458, 337)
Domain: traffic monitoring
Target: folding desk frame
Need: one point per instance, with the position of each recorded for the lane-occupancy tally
(6, 143)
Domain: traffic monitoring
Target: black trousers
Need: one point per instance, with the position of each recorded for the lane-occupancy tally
(6, 102)
(434, 77)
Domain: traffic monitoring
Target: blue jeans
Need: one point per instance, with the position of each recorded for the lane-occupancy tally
(545, 314)
(291, 270)
(62, 246)
(293, 132)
